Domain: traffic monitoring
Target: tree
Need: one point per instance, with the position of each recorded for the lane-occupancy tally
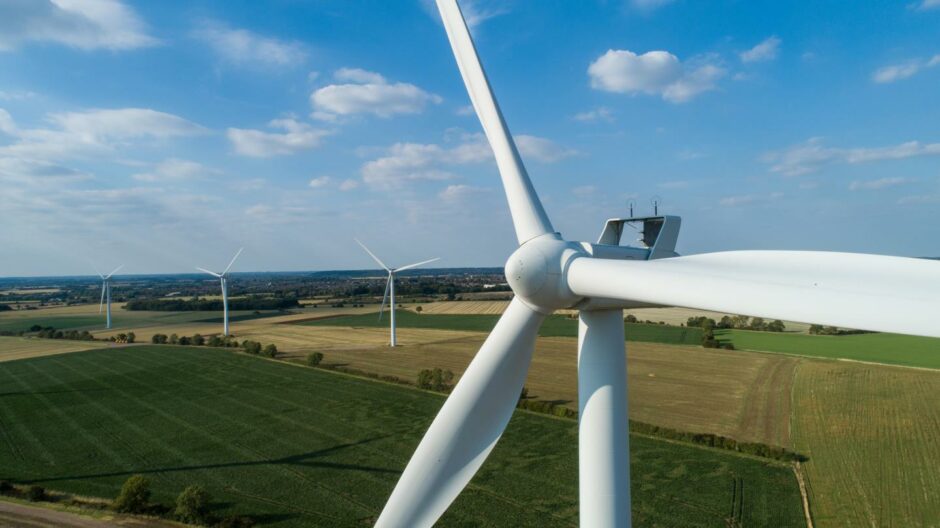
(252, 347)
(314, 358)
(134, 496)
(192, 505)
(270, 350)
(158, 339)
(757, 323)
(122, 337)
(198, 340)
(174, 339)
(419, 309)
(185, 340)
(36, 493)
(776, 326)
(630, 318)
(131, 337)
(215, 341)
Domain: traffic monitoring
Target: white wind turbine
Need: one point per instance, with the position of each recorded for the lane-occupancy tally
(106, 293)
(224, 280)
(390, 286)
(547, 272)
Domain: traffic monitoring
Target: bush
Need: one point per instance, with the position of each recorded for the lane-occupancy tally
(198, 340)
(36, 493)
(185, 340)
(174, 339)
(270, 351)
(158, 339)
(314, 358)
(252, 347)
(131, 337)
(134, 496)
(192, 505)
(215, 341)
(630, 318)
(436, 379)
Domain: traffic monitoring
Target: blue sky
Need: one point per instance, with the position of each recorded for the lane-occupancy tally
(165, 135)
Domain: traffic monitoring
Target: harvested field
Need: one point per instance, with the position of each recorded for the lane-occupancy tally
(13, 348)
(871, 436)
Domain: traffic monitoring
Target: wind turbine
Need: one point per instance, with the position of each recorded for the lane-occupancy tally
(390, 286)
(224, 280)
(547, 273)
(106, 293)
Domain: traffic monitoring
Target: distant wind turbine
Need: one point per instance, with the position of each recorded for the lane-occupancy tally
(222, 278)
(106, 292)
(390, 286)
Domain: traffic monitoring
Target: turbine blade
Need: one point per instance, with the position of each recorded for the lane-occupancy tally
(415, 265)
(528, 215)
(214, 274)
(385, 297)
(233, 261)
(864, 292)
(371, 254)
(101, 304)
(468, 425)
(115, 271)
(96, 270)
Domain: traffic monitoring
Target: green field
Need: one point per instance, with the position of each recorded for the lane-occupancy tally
(293, 446)
(892, 349)
(121, 319)
(554, 326)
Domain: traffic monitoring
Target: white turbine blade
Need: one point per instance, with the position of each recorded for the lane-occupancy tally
(371, 254)
(385, 297)
(115, 271)
(96, 271)
(214, 274)
(528, 215)
(239, 252)
(865, 292)
(468, 425)
(101, 304)
(416, 264)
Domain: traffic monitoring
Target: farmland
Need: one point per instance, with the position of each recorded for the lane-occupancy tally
(554, 326)
(890, 349)
(870, 433)
(12, 348)
(299, 447)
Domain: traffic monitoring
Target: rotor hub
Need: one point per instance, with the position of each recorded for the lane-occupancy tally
(536, 272)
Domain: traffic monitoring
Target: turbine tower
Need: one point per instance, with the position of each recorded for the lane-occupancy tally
(547, 273)
(224, 281)
(106, 293)
(390, 287)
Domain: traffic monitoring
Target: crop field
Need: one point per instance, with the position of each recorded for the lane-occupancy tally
(12, 348)
(892, 349)
(300, 447)
(554, 326)
(122, 320)
(871, 436)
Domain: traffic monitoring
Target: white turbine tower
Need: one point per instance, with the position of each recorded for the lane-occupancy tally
(106, 293)
(224, 281)
(390, 286)
(546, 273)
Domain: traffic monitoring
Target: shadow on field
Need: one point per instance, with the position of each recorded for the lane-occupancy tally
(307, 459)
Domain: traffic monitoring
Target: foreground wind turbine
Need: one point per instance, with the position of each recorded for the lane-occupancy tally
(547, 273)
(390, 286)
(106, 293)
(224, 281)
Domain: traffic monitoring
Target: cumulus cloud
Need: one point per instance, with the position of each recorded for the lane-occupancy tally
(83, 24)
(813, 155)
(460, 193)
(363, 92)
(321, 181)
(874, 185)
(7, 125)
(409, 162)
(91, 131)
(904, 70)
(243, 47)
(348, 184)
(296, 137)
(654, 73)
(925, 5)
(174, 169)
(600, 113)
(763, 52)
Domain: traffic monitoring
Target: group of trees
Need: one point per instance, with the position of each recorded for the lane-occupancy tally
(833, 330)
(255, 348)
(206, 305)
(195, 340)
(738, 322)
(193, 505)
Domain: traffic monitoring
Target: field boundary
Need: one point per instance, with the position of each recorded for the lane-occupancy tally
(804, 495)
(845, 360)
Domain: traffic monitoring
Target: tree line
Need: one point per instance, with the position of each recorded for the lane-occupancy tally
(212, 305)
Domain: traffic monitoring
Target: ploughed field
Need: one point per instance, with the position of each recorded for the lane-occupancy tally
(294, 446)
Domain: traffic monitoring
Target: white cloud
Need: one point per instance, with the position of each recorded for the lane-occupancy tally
(174, 169)
(83, 24)
(928, 4)
(17, 95)
(748, 199)
(813, 155)
(94, 131)
(654, 73)
(348, 184)
(319, 182)
(296, 137)
(904, 70)
(365, 92)
(881, 183)
(460, 193)
(600, 113)
(7, 125)
(765, 51)
(240, 46)
(541, 149)
(584, 190)
(466, 110)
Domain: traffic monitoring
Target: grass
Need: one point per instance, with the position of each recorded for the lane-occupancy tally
(300, 447)
(554, 326)
(892, 349)
(870, 433)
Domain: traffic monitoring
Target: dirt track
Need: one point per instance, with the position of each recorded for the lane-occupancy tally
(16, 515)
